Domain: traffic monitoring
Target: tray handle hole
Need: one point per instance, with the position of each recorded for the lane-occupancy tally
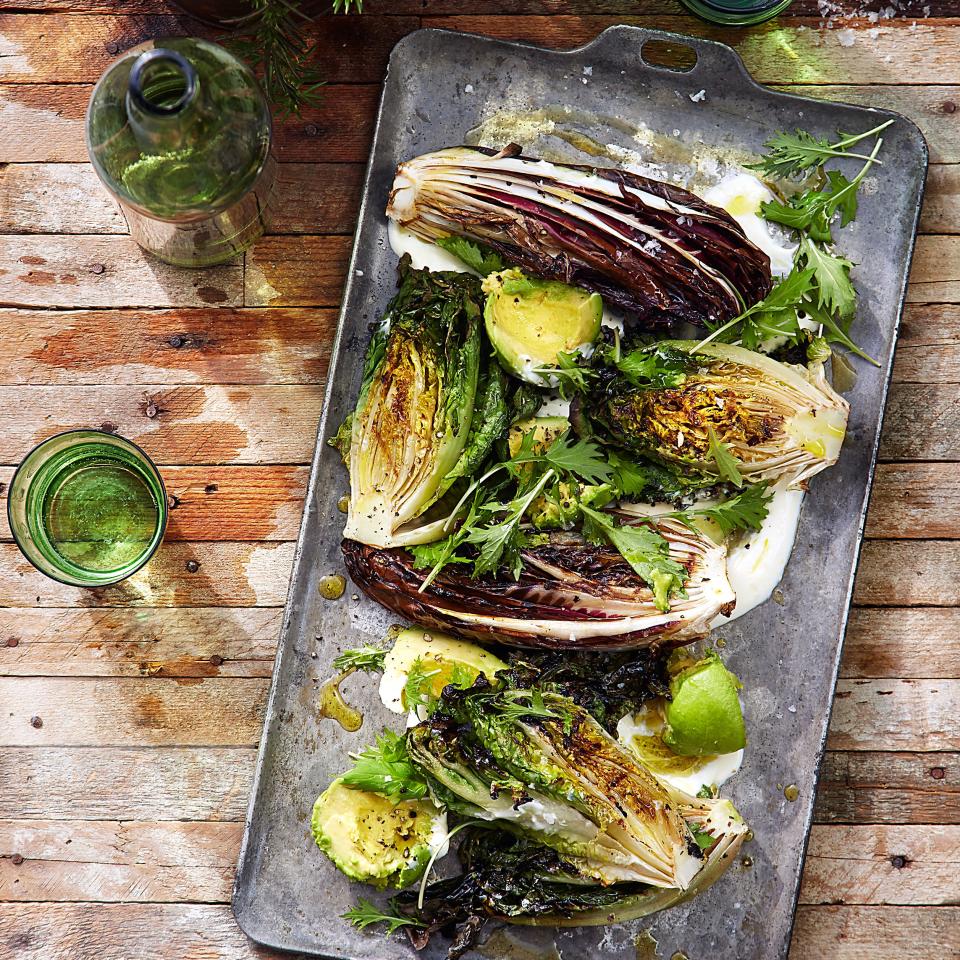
(669, 55)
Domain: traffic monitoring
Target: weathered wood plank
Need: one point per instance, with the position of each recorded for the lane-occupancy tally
(132, 711)
(935, 274)
(922, 422)
(915, 501)
(182, 862)
(122, 931)
(296, 271)
(69, 198)
(126, 783)
(178, 424)
(44, 123)
(892, 53)
(874, 864)
(904, 573)
(941, 200)
(928, 350)
(179, 575)
(894, 714)
(179, 642)
(209, 345)
(882, 787)
(95, 271)
(221, 503)
(89, 931)
(351, 49)
(113, 861)
(875, 933)
(214, 783)
(902, 642)
(881, 642)
(869, 715)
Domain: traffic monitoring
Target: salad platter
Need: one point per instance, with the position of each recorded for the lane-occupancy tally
(571, 586)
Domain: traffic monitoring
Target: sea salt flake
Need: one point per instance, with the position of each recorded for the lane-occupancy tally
(846, 38)
(699, 96)
(468, 88)
(588, 71)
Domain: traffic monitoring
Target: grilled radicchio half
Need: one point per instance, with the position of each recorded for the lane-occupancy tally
(570, 594)
(649, 248)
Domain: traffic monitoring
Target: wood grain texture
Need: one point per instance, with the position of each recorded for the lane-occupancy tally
(174, 424)
(296, 271)
(882, 865)
(69, 198)
(221, 503)
(928, 350)
(160, 642)
(914, 501)
(140, 712)
(896, 573)
(108, 861)
(902, 642)
(895, 714)
(178, 575)
(126, 783)
(111, 861)
(183, 345)
(85, 931)
(883, 787)
(95, 271)
(351, 49)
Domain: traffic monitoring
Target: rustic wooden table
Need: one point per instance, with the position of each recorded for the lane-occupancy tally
(131, 715)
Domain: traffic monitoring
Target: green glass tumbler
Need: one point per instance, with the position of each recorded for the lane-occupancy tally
(736, 13)
(87, 508)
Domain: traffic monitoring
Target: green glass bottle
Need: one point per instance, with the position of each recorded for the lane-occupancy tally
(179, 132)
(737, 13)
(87, 508)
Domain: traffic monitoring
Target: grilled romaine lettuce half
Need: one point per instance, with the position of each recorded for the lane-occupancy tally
(539, 765)
(649, 248)
(415, 408)
(570, 593)
(570, 828)
(777, 420)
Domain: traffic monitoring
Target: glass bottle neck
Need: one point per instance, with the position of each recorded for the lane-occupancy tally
(163, 98)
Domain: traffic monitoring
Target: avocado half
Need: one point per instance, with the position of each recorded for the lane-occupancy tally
(530, 321)
(373, 840)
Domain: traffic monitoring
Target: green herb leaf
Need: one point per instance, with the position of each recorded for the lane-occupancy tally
(629, 478)
(656, 368)
(416, 691)
(727, 463)
(746, 511)
(647, 552)
(704, 840)
(792, 153)
(369, 659)
(364, 914)
(582, 459)
(477, 257)
(386, 768)
(834, 289)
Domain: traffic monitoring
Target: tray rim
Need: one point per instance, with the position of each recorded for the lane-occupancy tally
(239, 908)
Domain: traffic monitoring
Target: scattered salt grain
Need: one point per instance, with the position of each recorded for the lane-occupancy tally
(583, 80)
(873, 33)
(468, 88)
(792, 709)
(699, 96)
(588, 71)
(846, 38)
(359, 273)
(676, 133)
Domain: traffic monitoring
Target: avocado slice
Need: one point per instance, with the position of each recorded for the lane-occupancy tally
(442, 658)
(530, 321)
(704, 716)
(545, 431)
(370, 839)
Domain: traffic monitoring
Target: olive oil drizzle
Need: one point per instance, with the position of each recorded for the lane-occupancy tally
(332, 706)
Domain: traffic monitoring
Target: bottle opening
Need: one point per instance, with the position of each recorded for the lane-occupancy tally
(162, 82)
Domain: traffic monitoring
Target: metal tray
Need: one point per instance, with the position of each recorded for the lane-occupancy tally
(440, 85)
